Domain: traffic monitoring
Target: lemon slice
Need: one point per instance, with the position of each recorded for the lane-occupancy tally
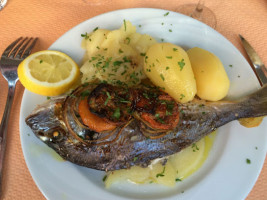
(48, 73)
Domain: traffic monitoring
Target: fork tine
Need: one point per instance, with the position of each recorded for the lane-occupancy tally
(29, 49)
(10, 47)
(21, 50)
(14, 51)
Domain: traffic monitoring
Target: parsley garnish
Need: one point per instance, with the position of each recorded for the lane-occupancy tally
(117, 113)
(124, 22)
(195, 147)
(142, 54)
(177, 179)
(48, 98)
(166, 14)
(181, 64)
(104, 178)
(162, 77)
(161, 174)
(230, 65)
(248, 161)
(135, 158)
(85, 93)
(174, 49)
(181, 96)
(85, 35)
(41, 61)
(169, 57)
(167, 68)
(170, 30)
(96, 28)
(128, 39)
(109, 97)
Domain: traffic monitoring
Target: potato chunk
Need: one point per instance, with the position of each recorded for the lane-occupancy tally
(168, 67)
(212, 81)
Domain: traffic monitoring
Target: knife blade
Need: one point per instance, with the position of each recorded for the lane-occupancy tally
(258, 66)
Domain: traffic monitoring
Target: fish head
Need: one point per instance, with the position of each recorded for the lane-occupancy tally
(46, 122)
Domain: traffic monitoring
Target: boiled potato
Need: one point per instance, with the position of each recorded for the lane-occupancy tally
(251, 122)
(212, 81)
(168, 67)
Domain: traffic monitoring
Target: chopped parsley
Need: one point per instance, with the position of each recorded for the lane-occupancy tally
(124, 22)
(41, 61)
(140, 26)
(86, 36)
(128, 40)
(166, 14)
(96, 28)
(135, 158)
(177, 179)
(248, 161)
(174, 49)
(195, 147)
(167, 68)
(117, 113)
(104, 178)
(170, 30)
(182, 96)
(169, 57)
(230, 65)
(120, 51)
(109, 97)
(162, 173)
(142, 54)
(181, 64)
(48, 98)
(162, 77)
(85, 93)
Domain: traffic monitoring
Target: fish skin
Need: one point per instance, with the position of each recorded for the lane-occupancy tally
(197, 119)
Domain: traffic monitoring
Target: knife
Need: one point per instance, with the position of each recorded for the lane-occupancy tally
(258, 66)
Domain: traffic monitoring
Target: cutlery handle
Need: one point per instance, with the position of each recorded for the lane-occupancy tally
(3, 128)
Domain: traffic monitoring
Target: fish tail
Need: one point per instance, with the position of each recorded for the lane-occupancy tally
(254, 105)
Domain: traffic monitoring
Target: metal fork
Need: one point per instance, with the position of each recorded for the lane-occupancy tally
(10, 59)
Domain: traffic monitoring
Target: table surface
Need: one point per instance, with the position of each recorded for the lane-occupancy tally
(49, 19)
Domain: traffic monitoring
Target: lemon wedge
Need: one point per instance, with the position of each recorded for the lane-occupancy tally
(48, 73)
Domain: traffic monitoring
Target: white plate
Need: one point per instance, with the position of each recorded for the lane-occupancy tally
(225, 174)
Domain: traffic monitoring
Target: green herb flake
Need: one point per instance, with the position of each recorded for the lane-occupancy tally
(182, 96)
(203, 113)
(120, 51)
(96, 28)
(86, 36)
(135, 159)
(140, 26)
(109, 97)
(162, 173)
(174, 49)
(248, 161)
(128, 40)
(124, 22)
(29, 134)
(170, 30)
(195, 147)
(162, 39)
(85, 93)
(162, 77)
(104, 178)
(169, 57)
(181, 64)
(117, 113)
(166, 14)
(256, 148)
(177, 179)
(230, 65)
(41, 61)
(48, 98)
(142, 54)
(167, 68)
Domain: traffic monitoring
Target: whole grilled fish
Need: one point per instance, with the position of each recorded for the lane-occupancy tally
(145, 123)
